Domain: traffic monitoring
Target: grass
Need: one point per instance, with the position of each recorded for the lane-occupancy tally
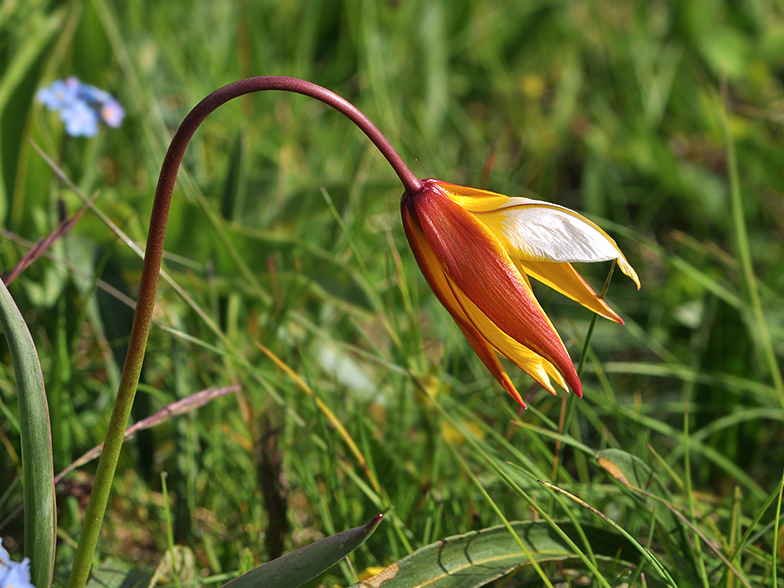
(285, 231)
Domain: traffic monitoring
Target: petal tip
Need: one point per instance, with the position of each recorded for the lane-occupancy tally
(627, 269)
(509, 387)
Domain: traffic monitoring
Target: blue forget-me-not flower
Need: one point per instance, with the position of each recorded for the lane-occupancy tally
(81, 107)
(13, 574)
(80, 120)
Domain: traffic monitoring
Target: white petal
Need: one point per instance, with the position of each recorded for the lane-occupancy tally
(548, 232)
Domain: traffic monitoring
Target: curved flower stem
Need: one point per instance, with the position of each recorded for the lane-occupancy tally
(142, 319)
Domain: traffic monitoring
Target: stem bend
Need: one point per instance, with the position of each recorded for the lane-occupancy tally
(152, 265)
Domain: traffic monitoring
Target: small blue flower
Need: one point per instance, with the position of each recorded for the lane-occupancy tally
(80, 120)
(13, 574)
(60, 94)
(112, 113)
(81, 107)
(93, 95)
(17, 576)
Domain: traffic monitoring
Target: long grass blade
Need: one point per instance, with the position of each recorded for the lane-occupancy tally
(36, 436)
(744, 253)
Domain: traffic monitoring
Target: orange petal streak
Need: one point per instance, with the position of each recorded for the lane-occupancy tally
(474, 260)
(530, 362)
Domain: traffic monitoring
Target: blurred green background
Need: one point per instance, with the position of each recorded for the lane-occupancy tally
(661, 121)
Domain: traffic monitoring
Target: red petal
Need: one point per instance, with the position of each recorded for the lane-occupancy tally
(437, 281)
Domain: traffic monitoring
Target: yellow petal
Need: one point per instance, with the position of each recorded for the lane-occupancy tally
(488, 356)
(563, 278)
(473, 199)
(530, 362)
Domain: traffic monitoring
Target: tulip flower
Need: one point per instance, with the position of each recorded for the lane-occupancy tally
(476, 250)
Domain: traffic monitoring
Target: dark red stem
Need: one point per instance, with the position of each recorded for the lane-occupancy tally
(201, 111)
(171, 162)
(149, 282)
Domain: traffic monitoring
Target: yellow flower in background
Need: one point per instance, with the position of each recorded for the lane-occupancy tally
(476, 250)
(369, 573)
(454, 436)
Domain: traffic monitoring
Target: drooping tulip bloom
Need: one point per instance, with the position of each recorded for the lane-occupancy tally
(476, 250)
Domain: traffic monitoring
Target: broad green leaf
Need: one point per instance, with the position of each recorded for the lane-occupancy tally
(298, 567)
(635, 474)
(36, 436)
(114, 573)
(474, 559)
(640, 479)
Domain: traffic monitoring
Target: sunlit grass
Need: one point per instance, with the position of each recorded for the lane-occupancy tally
(285, 232)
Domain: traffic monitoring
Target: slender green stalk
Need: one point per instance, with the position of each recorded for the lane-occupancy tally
(511, 483)
(744, 253)
(645, 552)
(169, 533)
(567, 406)
(145, 304)
(594, 318)
(753, 526)
(734, 533)
(501, 516)
(774, 557)
(690, 494)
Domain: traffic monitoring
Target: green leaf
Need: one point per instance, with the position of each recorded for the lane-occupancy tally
(635, 474)
(298, 567)
(36, 436)
(640, 479)
(179, 563)
(476, 558)
(114, 573)
(17, 88)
